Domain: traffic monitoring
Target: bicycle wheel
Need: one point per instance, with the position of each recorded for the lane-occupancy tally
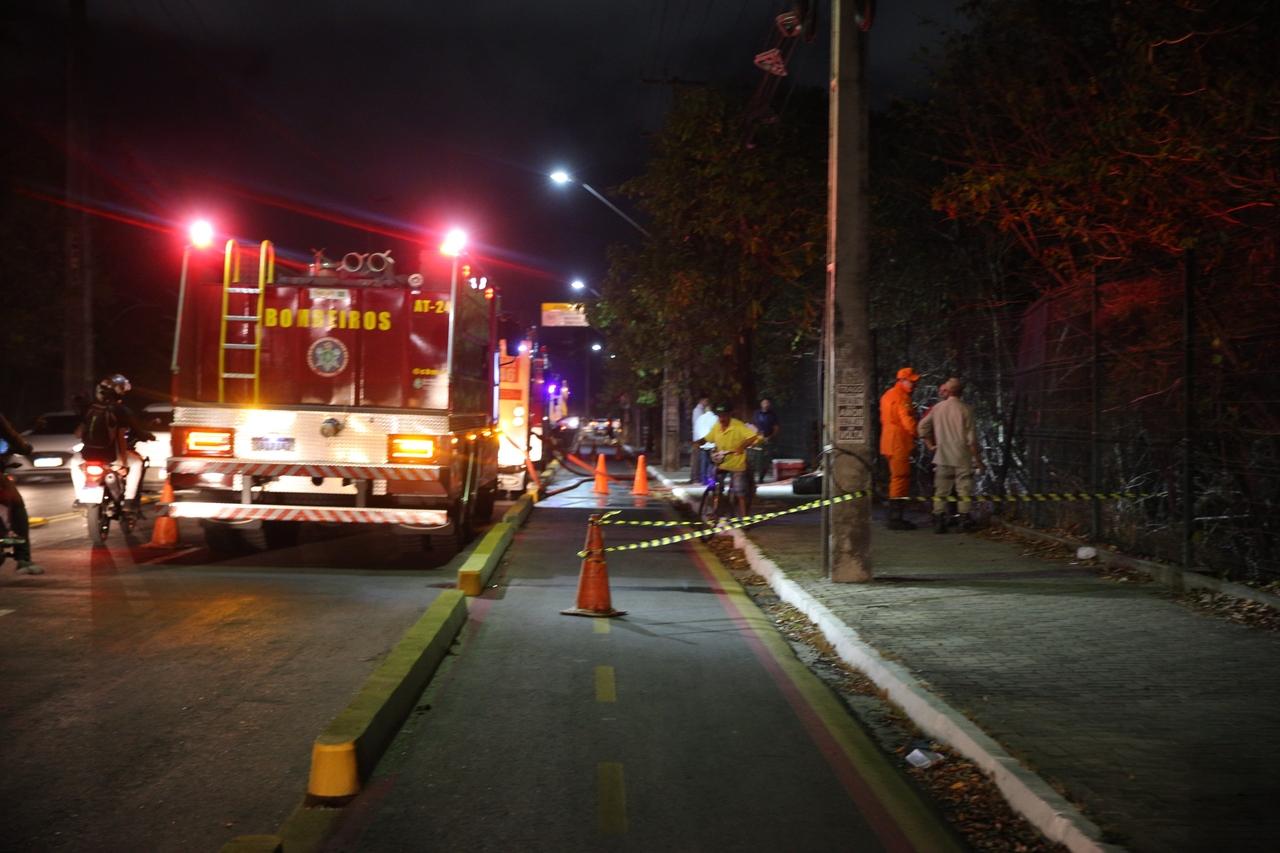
(709, 506)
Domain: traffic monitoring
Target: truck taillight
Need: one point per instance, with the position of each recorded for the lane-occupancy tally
(194, 441)
(411, 448)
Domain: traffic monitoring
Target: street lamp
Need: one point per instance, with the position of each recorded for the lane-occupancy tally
(199, 236)
(560, 176)
(579, 285)
(454, 242)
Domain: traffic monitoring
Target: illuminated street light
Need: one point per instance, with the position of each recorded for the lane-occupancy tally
(596, 347)
(580, 285)
(561, 177)
(200, 236)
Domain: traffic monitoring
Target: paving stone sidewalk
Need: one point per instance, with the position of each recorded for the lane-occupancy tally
(1162, 724)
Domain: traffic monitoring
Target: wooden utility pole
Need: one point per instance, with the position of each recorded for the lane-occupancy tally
(846, 327)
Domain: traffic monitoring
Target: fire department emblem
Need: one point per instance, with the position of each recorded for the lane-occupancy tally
(327, 357)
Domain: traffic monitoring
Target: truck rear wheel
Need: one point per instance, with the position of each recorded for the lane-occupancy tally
(248, 537)
(484, 505)
(224, 540)
(462, 529)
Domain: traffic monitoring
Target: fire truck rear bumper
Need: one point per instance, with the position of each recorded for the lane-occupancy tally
(347, 515)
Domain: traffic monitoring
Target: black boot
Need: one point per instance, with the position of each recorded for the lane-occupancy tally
(939, 522)
(896, 521)
(967, 524)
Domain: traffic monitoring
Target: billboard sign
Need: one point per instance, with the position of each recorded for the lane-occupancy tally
(564, 314)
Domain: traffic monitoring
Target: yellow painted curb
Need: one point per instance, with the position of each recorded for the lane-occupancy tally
(254, 844)
(345, 753)
(476, 570)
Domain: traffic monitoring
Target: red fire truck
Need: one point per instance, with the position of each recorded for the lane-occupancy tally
(350, 394)
(521, 414)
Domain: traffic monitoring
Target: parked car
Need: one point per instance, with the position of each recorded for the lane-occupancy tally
(53, 440)
(157, 418)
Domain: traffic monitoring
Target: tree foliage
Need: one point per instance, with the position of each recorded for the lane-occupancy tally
(729, 286)
(1104, 131)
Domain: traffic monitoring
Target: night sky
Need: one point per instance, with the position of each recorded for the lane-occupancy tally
(276, 118)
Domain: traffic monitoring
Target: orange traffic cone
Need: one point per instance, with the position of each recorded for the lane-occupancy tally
(165, 532)
(641, 486)
(602, 477)
(593, 579)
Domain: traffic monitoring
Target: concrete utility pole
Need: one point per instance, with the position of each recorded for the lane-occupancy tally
(846, 329)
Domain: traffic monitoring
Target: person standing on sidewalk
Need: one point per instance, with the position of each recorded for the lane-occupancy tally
(700, 421)
(765, 420)
(943, 393)
(897, 439)
(947, 430)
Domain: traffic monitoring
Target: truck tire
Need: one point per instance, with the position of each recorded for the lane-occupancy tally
(223, 540)
(249, 537)
(280, 534)
(484, 505)
(462, 528)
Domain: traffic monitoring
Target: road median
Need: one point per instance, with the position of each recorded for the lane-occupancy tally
(346, 752)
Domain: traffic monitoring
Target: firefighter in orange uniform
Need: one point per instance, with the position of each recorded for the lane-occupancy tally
(897, 438)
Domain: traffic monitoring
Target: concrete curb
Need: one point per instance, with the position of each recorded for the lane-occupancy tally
(1169, 575)
(475, 571)
(1025, 792)
(346, 752)
(42, 520)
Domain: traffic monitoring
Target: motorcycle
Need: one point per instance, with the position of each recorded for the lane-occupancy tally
(103, 498)
(8, 541)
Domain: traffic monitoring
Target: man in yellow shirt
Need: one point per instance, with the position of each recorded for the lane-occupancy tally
(732, 437)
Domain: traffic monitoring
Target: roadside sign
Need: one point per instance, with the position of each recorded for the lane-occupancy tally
(564, 314)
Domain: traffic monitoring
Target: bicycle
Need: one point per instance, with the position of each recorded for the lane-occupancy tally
(715, 494)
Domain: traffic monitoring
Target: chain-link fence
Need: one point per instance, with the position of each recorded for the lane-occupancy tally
(1160, 381)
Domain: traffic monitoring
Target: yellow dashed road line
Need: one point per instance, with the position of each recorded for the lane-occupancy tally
(600, 626)
(606, 688)
(613, 798)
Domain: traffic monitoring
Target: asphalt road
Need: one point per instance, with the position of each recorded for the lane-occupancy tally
(161, 701)
(686, 724)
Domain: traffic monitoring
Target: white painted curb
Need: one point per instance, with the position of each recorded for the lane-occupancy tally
(1026, 793)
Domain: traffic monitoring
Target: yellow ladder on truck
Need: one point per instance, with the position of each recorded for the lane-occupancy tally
(243, 296)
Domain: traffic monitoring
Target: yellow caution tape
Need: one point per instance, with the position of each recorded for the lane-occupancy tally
(748, 520)
(607, 518)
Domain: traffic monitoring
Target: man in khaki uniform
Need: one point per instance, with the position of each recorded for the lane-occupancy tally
(948, 431)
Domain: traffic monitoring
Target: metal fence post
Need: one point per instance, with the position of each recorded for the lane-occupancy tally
(1095, 415)
(1189, 275)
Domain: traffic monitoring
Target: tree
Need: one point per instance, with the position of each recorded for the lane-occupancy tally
(735, 260)
(1104, 131)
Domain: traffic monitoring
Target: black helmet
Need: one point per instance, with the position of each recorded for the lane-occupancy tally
(112, 387)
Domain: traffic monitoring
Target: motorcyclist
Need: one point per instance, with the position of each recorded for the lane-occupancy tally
(19, 527)
(107, 431)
